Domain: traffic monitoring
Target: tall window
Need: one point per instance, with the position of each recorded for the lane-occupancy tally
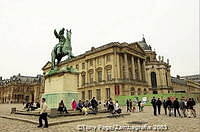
(91, 76)
(109, 74)
(98, 92)
(89, 94)
(108, 93)
(153, 80)
(117, 90)
(139, 91)
(83, 65)
(132, 91)
(91, 62)
(145, 91)
(77, 67)
(83, 79)
(108, 58)
(99, 61)
(99, 73)
(83, 95)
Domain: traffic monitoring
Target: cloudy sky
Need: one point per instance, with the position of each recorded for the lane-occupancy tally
(26, 30)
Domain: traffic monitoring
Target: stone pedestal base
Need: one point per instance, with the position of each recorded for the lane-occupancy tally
(53, 99)
(61, 86)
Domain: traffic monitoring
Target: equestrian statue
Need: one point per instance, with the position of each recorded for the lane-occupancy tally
(61, 49)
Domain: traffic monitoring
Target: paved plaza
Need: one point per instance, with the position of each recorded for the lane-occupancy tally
(174, 124)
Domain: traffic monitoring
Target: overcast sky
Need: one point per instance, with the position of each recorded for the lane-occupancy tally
(26, 30)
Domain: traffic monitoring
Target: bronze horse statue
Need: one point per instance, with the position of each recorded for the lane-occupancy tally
(61, 49)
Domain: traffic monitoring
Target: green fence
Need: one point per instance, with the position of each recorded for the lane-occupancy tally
(122, 99)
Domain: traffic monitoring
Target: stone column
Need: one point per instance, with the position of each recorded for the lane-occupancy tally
(118, 66)
(139, 69)
(103, 69)
(133, 68)
(86, 72)
(94, 76)
(144, 70)
(126, 66)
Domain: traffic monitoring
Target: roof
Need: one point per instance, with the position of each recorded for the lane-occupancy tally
(144, 45)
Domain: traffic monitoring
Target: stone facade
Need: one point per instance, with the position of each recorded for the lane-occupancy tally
(185, 86)
(20, 89)
(110, 70)
(122, 69)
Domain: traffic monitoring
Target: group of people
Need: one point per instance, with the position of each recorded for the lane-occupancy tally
(84, 106)
(30, 106)
(112, 107)
(131, 105)
(184, 107)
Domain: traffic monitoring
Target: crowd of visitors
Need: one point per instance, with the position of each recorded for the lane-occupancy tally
(132, 105)
(91, 106)
(184, 107)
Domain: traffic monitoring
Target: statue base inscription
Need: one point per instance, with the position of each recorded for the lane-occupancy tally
(59, 86)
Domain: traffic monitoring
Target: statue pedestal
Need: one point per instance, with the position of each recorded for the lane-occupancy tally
(61, 86)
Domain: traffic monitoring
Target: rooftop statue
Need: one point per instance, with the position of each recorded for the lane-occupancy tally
(63, 48)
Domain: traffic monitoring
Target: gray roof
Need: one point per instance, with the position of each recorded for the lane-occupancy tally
(21, 79)
(144, 45)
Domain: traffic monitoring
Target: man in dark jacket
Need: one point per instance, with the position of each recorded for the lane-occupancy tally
(153, 102)
(159, 103)
(128, 105)
(169, 105)
(165, 106)
(176, 107)
(94, 104)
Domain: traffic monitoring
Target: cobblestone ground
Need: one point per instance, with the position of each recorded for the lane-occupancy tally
(175, 124)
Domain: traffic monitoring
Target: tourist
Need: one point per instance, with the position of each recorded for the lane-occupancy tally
(165, 107)
(117, 108)
(158, 104)
(74, 105)
(62, 108)
(153, 102)
(139, 106)
(190, 105)
(94, 104)
(193, 109)
(79, 106)
(176, 107)
(169, 106)
(183, 107)
(142, 105)
(128, 105)
(43, 114)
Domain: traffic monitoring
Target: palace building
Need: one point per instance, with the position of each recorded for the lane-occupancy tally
(20, 89)
(114, 69)
(117, 69)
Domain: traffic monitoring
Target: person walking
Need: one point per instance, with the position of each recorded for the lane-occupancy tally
(153, 102)
(43, 114)
(176, 107)
(130, 105)
(127, 105)
(165, 106)
(169, 106)
(139, 106)
(183, 107)
(159, 103)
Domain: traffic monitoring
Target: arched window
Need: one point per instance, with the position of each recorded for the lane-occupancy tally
(153, 80)
(139, 91)
(132, 91)
(145, 91)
